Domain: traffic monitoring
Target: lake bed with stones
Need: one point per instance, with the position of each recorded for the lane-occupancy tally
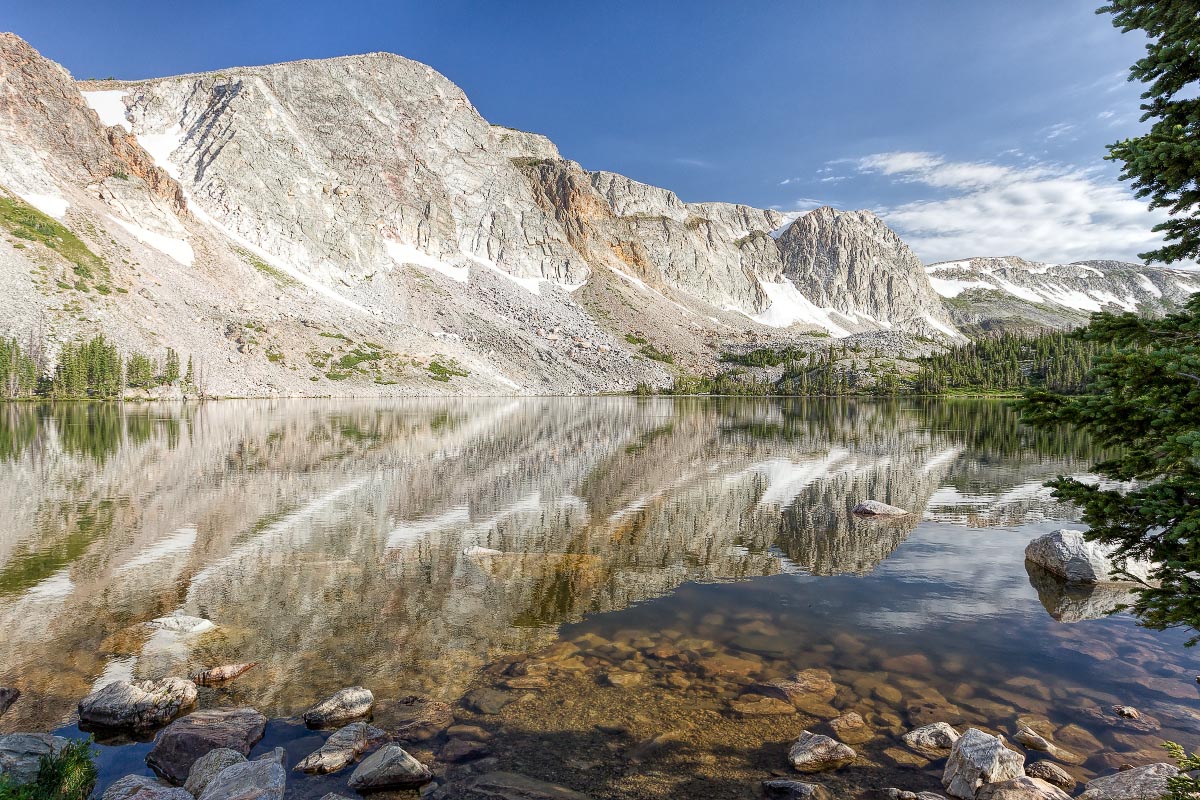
(593, 593)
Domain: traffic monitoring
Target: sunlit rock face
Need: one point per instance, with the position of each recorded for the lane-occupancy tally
(402, 546)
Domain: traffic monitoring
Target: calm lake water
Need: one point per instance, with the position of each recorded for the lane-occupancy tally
(622, 570)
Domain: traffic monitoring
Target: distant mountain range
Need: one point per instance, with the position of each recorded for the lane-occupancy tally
(353, 226)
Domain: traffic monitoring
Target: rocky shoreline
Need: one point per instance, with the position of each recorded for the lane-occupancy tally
(813, 734)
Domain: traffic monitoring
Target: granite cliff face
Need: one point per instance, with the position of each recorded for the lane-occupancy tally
(984, 294)
(353, 226)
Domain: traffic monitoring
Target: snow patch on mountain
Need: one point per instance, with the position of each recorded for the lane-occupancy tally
(178, 249)
(109, 105)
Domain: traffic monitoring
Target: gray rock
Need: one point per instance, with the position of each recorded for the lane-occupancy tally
(874, 508)
(182, 623)
(344, 746)
(1051, 773)
(389, 767)
(141, 787)
(511, 786)
(21, 754)
(487, 701)
(8, 696)
(976, 759)
(180, 744)
(1030, 739)
(340, 707)
(932, 741)
(209, 766)
(1070, 556)
(1022, 788)
(794, 790)
(142, 705)
(1141, 783)
(812, 752)
(265, 778)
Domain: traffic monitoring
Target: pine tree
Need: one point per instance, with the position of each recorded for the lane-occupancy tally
(171, 368)
(1164, 164)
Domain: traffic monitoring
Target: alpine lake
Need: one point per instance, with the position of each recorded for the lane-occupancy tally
(589, 590)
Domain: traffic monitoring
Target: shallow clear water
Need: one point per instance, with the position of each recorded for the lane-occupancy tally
(651, 559)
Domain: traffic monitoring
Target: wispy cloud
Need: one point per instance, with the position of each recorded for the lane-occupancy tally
(1058, 130)
(698, 163)
(1040, 210)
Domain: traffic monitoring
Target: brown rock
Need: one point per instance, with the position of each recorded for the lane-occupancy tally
(757, 705)
(178, 745)
(851, 728)
(222, 674)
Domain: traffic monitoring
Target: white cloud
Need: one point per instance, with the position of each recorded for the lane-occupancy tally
(1105, 114)
(1058, 129)
(1039, 211)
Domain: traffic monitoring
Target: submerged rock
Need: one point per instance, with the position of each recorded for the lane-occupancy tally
(209, 766)
(143, 787)
(180, 744)
(812, 752)
(344, 746)
(874, 508)
(978, 758)
(794, 790)
(933, 741)
(389, 767)
(1070, 556)
(803, 688)
(142, 705)
(21, 754)
(8, 696)
(757, 705)
(458, 750)
(487, 701)
(511, 786)
(414, 718)
(341, 707)
(1141, 783)
(851, 728)
(222, 674)
(1022, 788)
(1051, 773)
(265, 778)
(1077, 602)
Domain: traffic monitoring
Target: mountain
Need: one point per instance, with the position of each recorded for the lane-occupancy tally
(989, 294)
(353, 226)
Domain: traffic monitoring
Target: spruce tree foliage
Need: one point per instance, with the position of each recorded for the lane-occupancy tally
(171, 368)
(84, 370)
(1143, 398)
(1164, 164)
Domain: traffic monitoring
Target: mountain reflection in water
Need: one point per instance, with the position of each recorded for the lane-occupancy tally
(405, 545)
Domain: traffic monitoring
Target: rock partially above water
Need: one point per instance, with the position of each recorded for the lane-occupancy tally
(265, 778)
(1051, 773)
(874, 508)
(794, 790)
(7, 698)
(180, 744)
(1142, 783)
(142, 787)
(1022, 788)
(978, 758)
(139, 706)
(812, 752)
(344, 746)
(182, 623)
(341, 707)
(222, 674)
(21, 753)
(1070, 556)
(933, 741)
(209, 766)
(389, 767)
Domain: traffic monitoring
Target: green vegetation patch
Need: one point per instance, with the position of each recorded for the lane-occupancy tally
(26, 222)
(68, 775)
(443, 372)
(281, 278)
(764, 357)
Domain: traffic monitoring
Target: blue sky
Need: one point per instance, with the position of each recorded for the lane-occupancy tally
(975, 127)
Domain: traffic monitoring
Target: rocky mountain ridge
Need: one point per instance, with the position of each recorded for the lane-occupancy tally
(353, 226)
